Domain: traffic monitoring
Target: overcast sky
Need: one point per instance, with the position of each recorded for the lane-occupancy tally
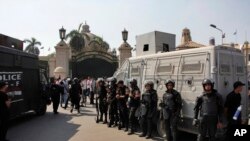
(42, 19)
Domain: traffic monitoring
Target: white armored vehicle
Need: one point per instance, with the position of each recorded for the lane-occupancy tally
(224, 65)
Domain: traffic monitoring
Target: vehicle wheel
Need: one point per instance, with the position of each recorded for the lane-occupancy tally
(161, 128)
(42, 108)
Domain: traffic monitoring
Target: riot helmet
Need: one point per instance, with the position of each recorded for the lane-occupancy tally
(206, 82)
(170, 81)
(75, 80)
(133, 82)
(150, 83)
(113, 80)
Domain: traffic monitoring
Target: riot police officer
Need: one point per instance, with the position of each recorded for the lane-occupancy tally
(171, 106)
(102, 97)
(148, 109)
(209, 104)
(113, 113)
(122, 98)
(75, 92)
(133, 103)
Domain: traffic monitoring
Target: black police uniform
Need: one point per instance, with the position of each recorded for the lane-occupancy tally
(171, 106)
(211, 109)
(122, 107)
(74, 92)
(103, 107)
(113, 111)
(55, 91)
(4, 116)
(233, 101)
(134, 103)
(148, 110)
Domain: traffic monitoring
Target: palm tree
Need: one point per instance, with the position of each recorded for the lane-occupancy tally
(77, 40)
(32, 46)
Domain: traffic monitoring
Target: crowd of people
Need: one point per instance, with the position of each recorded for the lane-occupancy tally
(126, 107)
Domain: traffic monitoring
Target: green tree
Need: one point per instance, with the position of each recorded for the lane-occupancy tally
(77, 40)
(32, 46)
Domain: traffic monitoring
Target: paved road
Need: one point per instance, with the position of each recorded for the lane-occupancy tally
(70, 127)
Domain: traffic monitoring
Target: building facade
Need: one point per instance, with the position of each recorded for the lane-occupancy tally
(93, 59)
(154, 42)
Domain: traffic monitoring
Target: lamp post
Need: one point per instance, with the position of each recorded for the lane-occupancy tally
(124, 35)
(222, 34)
(247, 60)
(62, 33)
(246, 53)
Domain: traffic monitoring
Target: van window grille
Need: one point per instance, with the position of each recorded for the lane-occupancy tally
(164, 69)
(134, 71)
(120, 76)
(192, 68)
(239, 69)
(225, 68)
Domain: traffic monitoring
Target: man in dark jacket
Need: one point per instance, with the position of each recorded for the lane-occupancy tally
(55, 90)
(209, 104)
(148, 109)
(75, 91)
(133, 103)
(233, 101)
(4, 110)
(171, 106)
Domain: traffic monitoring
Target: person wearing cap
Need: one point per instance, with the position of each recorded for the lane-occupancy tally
(210, 106)
(148, 109)
(171, 107)
(4, 110)
(233, 101)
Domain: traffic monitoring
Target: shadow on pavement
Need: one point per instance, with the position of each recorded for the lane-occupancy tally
(49, 127)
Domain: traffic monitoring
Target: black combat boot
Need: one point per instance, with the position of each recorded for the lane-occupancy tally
(130, 132)
(105, 120)
(142, 135)
(101, 118)
(148, 136)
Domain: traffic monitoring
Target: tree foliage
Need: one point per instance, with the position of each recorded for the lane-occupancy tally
(33, 46)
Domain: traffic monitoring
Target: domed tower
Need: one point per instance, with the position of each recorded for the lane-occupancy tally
(85, 28)
(186, 36)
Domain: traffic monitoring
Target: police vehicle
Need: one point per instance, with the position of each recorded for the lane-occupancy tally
(21, 71)
(224, 65)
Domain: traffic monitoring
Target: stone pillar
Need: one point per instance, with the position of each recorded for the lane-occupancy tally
(125, 52)
(63, 56)
(52, 66)
(124, 49)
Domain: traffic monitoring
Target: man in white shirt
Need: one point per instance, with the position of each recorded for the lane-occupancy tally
(90, 89)
(84, 91)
